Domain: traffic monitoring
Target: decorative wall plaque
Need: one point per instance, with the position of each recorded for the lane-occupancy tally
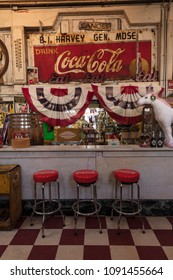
(4, 58)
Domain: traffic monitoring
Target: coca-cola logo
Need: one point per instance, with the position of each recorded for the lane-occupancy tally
(94, 63)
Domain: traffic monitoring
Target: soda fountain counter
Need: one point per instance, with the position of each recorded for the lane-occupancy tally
(154, 164)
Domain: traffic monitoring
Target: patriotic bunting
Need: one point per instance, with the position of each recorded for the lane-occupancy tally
(58, 106)
(121, 101)
(64, 104)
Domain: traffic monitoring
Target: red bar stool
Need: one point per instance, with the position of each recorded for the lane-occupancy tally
(130, 206)
(46, 206)
(86, 207)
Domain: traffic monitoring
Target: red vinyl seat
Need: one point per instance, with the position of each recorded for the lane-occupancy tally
(44, 176)
(87, 176)
(126, 175)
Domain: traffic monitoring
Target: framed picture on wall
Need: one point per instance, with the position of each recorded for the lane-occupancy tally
(32, 75)
(20, 105)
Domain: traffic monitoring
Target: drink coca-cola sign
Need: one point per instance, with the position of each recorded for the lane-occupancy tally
(89, 61)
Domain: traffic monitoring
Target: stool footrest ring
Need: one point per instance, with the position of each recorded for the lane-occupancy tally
(47, 212)
(83, 203)
(117, 208)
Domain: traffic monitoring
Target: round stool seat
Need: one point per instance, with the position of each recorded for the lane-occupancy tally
(44, 176)
(126, 175)
(49, 203)
(85, 176)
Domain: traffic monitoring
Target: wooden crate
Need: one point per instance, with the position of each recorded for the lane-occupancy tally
(130, 137)
(10, 196)
(20, 143)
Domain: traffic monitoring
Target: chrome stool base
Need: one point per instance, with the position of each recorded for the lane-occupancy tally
(120, 205)
(81, 204)
(46, 207)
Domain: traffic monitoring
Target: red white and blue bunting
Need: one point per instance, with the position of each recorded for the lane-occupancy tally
(58, 106)
(121, 101)
(62, 105)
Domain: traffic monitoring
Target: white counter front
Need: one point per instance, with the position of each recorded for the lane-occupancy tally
(154, 164)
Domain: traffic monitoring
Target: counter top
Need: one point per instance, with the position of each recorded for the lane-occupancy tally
(83, 148)
(154, 165)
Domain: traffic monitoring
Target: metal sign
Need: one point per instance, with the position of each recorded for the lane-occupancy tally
(112, 60)
(99, 26)
(82, 38)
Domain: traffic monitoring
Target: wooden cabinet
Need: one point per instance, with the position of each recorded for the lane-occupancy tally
(10, 195)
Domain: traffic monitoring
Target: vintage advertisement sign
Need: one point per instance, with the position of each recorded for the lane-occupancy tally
(107, 61)
(81, 37)
(91, 57)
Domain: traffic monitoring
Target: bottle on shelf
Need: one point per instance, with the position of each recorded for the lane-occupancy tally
(153, 140)
(160, 140)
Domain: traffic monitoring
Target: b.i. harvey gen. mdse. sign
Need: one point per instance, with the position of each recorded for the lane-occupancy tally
(108, 55)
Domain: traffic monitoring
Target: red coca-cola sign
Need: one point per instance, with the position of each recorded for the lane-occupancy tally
(110, 61)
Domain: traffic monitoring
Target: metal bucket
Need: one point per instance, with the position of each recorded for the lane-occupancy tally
(29, 123)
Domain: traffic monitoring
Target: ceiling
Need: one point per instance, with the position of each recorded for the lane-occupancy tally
(62, 3)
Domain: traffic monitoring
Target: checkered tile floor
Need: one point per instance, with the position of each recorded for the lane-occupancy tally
(25, 242)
